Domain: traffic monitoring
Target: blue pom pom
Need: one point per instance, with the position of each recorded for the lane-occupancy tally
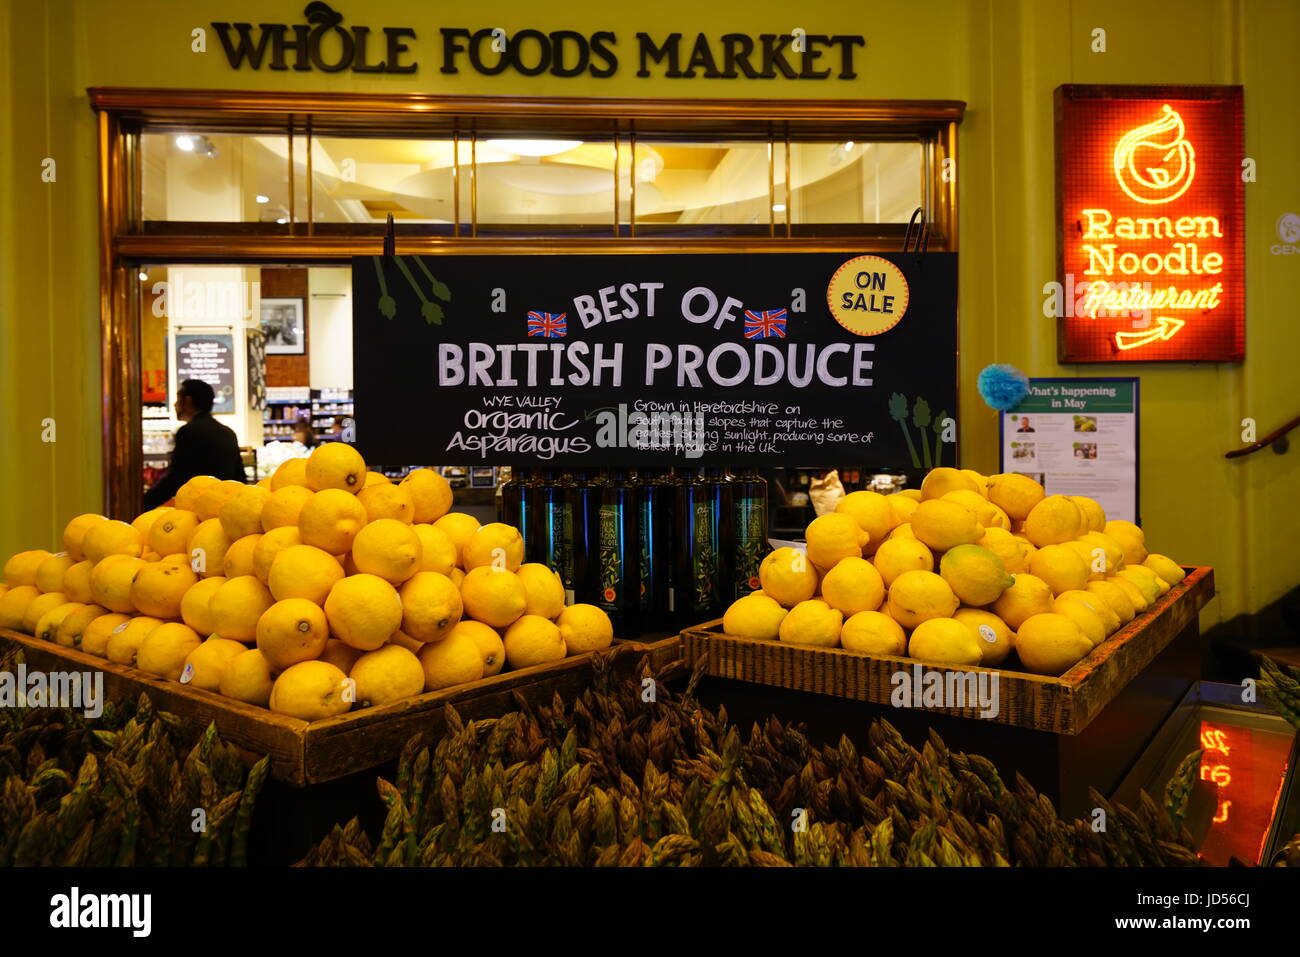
(1002, 386)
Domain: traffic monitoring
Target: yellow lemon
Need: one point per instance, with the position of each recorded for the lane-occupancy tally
(1060, 566)
(431, 606)
(205, 665)
(247, 677)
(1013, 552)
(980, 479)
(874, 512)
(1050, 644)
(1130, 538)
(1028, 595)
(13, 604)
(939, 482)
(312, 690)
(376, 478)
(110, 582)
(171, 533)
(207, 549)
(242, 514)
(285, 505)
(1094, 602)
(239, 559)
(975, 575)
(437, 549)
(272, 544)
(331, 520)
(1091, 554)
(1112, 553)
(50, 572)
(194, 604)
(386, 500)
(1014, 493)
(1147, 581)
(76, 581)
(458, 527)
(1135, 594)
(986, 513)
(903, 507)
(289, 472)
(945, 641)
(74, 533)
(873, 633)
(388, 548)
(490, 645)
(165, 648)
(812, 622)
(543, 590)
(942, 524)
(1089, 622)
(188, 494)
(585, 628)
(853, 585)
(454, 660)
(47, 626)
(1094, 516)
(37, 608)
(386, 675)
(916, 596)
(1054, 520)
(496, 544)
(788, 576)
(533, 640)
(159, 587)
(898, 555)
(74, 625)
(303, 571)
(494, 596)
(112, 538)
(457, 577)
(124, 641)
(236, 606)
(995, 639)
(143, 522)
(213, 498)
(913, 493)
(335, 465)
(430, 493)
(94, 640)
(342, 655)
(1116, 597)
(291, 631)
(1164, 566)
(754, 616)
(832, 537)
(404, 640)
(1124, 527)
(364, 611)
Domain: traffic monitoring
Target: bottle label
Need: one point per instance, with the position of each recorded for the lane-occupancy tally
(704, 560)
(749, 544)
(560, 527)
(611, 557)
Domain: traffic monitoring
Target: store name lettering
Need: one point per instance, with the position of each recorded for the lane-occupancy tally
(324, 43)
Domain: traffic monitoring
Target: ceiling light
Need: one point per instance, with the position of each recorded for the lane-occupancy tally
(144, 276)
(282, 220)
(848, 145)
(262, 198)
(191, 143)
(778, 207)
(185, 143)
(535, 147)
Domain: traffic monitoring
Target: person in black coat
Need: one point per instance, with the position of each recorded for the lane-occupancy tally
(203, 445)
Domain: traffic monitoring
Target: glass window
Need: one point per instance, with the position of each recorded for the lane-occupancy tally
(532, 184)
(850, 182)
(684, 186)
(201, 177)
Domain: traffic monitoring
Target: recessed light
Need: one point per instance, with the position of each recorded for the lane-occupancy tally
(848, 145)
(185, 143)
(144, 276)
(262, 198)
(282, 220)
(778, 207)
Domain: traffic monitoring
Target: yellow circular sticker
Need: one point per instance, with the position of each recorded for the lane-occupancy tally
(868, 295)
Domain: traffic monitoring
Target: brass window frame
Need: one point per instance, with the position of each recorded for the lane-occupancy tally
(122, 113)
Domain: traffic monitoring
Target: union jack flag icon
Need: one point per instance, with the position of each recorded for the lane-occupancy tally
(765, 324)
(548, 325)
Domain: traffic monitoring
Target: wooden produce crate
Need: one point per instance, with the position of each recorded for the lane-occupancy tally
(1063, 705)
(304, 753)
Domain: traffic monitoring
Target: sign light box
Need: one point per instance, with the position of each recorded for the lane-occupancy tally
(1150, 224)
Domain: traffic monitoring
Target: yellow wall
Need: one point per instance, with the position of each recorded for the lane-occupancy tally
(1003, 57)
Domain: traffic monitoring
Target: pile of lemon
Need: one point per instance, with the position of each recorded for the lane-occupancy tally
(322, 588)
(963, 571)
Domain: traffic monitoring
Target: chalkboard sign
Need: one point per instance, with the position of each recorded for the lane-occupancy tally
(684, 359)
(209, 357)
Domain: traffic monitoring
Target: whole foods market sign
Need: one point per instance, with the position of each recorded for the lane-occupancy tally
(820, 358)
(326, 43)
(1151, 224)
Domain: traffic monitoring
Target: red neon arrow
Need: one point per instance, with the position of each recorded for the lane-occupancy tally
(1165, 328)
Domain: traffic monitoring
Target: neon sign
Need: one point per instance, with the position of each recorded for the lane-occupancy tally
(1151, 238)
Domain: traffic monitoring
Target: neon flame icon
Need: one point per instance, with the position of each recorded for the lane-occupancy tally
(1155, 163)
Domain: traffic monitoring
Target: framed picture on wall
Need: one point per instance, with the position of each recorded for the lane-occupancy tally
(284, 327)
